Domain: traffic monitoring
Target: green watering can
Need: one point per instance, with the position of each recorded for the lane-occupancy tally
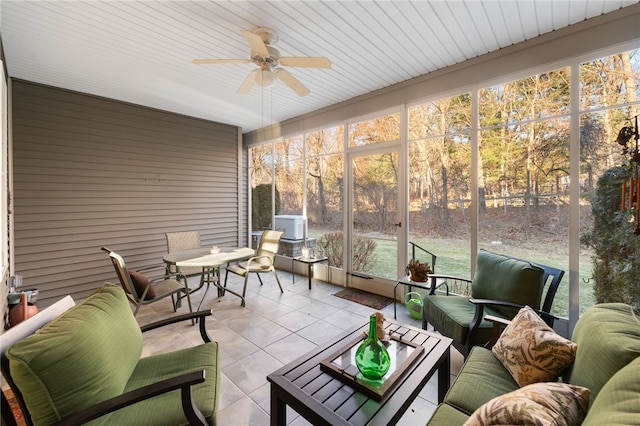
(413, 302)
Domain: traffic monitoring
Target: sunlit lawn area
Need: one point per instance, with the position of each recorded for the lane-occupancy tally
(453, 259)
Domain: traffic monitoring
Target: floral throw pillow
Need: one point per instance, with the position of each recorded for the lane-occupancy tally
(548, 403)
(531, 351)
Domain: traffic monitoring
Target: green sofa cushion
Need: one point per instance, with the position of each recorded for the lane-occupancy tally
(618, 402)
(481, 379)
(608, 338)
(446, 415)
(503, 278)
(51, 379)
(166, 409)
(454, 313)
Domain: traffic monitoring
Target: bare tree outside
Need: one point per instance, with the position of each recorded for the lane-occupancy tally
(523, 175)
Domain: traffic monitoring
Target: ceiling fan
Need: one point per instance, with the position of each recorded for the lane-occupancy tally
(269, 61)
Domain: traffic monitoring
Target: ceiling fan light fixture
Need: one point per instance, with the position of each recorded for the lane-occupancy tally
(268, 59)
(266, 78)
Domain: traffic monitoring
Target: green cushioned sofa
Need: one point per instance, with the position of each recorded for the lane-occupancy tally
(607, 363)
(86, 365)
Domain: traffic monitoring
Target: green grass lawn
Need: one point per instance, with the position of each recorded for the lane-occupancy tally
(453, 259)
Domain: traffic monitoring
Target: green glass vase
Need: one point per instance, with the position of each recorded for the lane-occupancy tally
(372, 357)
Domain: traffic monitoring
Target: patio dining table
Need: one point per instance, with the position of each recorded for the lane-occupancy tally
(210, 264)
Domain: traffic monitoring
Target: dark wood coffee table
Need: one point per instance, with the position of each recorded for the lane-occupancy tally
(323, 399)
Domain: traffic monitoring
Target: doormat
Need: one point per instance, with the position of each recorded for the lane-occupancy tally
(364, 298)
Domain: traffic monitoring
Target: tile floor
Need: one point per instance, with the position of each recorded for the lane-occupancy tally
(273, 329)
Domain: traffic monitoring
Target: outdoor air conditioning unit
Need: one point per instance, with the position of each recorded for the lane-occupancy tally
(291, 225)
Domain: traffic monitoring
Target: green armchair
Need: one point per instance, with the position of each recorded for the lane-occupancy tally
(85, 365)
(501, 286)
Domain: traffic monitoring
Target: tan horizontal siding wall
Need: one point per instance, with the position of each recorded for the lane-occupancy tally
(90, 172)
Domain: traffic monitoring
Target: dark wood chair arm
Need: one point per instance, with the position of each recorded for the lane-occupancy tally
(199, 315)
(481, 303)
(497, 321)
(479, 315)
(498, 326)
(450, 277)
(182, 382)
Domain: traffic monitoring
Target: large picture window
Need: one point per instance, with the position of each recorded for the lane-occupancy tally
(289, 175)
(609, 101)
(324, 180)
(439, 183)
(376, 130)
(523, 171)
(520, 136)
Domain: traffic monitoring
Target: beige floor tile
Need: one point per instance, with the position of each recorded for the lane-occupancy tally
(269, 308)
(289, 348)
(260, 331)
(262, 397)
(318, 309)
(229, 393)
(295, 320)
(320, 332)
(273, 329)
(346, 320)
(244, 412)
(232, 351)
(418, 413)
(249, 373)
(293, 300)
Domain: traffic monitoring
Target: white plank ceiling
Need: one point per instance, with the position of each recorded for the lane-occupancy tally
(141, 51)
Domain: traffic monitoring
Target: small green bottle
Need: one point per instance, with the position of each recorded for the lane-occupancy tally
(372, 358)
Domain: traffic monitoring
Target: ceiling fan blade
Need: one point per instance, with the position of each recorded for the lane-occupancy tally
(292, 82)
(248, 82)
(306, 62)
(220, 61)
(256, 43)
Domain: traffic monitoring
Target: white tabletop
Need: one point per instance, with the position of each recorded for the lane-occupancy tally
(204, 258)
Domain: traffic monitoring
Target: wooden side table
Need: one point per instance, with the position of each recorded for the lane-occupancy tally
(309, 261)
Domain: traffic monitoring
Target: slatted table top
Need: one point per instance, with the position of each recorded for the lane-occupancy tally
(322, 398)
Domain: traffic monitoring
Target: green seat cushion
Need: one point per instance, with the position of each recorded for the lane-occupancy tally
(166, 409)
(618, 402)
(452, 314)
(51, 380)
(608, 338)
(507, 279)
(446, 415)
(481, 379)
